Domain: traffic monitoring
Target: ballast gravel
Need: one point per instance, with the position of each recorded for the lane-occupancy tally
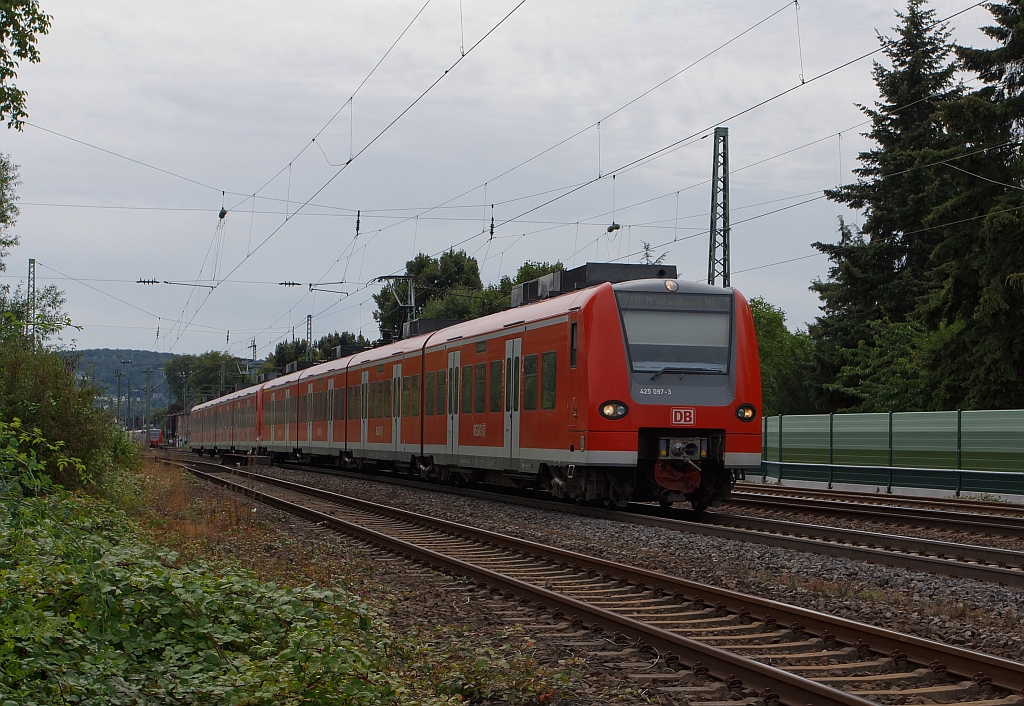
(977, 615)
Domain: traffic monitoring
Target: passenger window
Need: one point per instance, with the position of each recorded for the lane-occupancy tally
(515, 385)
(495, 385)
(530, 382)
(548, 370)
(405, 396)
(389, 402)
(467, 389)
(508, 385)
(453, 391)
(415, 401)
(428, 391)
(480, 388)
(442, 393)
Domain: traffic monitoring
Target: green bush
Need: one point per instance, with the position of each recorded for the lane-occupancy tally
(40, 387)
(90, 613)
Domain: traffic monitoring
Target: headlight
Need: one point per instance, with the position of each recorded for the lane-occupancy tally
(671, 285)
(614, 410)
(746, 412)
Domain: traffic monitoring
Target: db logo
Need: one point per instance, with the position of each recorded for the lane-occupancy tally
(684, 416)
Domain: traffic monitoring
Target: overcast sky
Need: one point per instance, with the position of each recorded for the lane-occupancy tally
(226, 97)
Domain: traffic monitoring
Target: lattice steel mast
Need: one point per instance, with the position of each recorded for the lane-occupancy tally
(31, 287)
(718, 255)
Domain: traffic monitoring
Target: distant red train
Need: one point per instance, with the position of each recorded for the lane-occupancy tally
(156, 437)
(619, 383)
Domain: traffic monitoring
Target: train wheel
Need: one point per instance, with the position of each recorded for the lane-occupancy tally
(701, 505)
(664, 503)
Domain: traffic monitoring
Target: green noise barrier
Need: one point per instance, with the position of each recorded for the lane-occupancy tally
(978, 451)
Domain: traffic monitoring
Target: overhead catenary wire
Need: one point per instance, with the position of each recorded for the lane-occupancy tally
(755, 106)
(614, 112)
(609, 115)
(369, 144)
(577, 250)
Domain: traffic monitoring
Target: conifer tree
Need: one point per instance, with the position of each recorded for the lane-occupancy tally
(976, 357)
(882, 271)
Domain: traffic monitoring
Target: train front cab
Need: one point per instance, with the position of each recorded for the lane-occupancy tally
(673, 394)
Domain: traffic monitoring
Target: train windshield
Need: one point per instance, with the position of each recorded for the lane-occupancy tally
(673, 332)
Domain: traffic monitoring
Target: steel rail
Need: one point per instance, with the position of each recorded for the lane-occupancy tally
(964, 505)
(1004, 673)
(723, 665)
(1007, 525)
(945, 551)
(946, 558)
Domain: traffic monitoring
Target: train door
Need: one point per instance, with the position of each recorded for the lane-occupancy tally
(454, 359)
(513, 352)
(363, 421)
(394, 405)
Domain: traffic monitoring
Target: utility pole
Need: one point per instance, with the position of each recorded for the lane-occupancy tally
(124, 361)
(131, 419)
(309, 337)
(32, 298)
(184, 390)
(117, 374)
(223, 368)
(149, 390)
(718, 255)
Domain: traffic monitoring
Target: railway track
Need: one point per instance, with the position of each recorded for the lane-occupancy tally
(997, 525)
(964, 505)
(981, 563)
(710, 645)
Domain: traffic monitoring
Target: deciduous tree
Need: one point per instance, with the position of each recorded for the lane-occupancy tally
(21, 23)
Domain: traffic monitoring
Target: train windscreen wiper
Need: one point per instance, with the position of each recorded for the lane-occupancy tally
(672, 370)
(683, 371)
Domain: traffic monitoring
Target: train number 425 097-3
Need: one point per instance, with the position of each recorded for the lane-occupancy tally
(655, 390)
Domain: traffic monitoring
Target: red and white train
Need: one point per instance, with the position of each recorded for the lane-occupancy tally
(644, 389)
(156, 437)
